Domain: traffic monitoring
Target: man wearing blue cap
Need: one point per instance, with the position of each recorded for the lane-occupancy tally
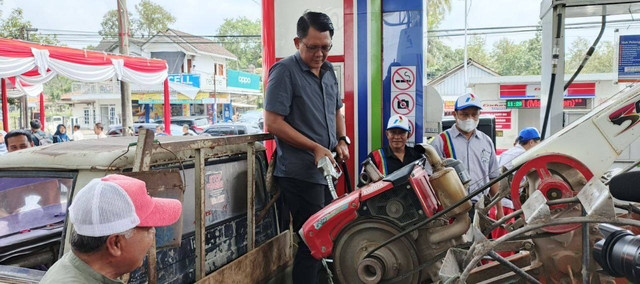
(473, 148)
(397, 154)
(528, 138)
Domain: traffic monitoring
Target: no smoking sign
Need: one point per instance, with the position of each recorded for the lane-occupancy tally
(403, 103)
(403, 79)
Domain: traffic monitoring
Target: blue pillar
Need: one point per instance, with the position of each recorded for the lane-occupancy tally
(402, 39)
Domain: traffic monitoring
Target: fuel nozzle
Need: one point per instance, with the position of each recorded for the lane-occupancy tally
(330, 172)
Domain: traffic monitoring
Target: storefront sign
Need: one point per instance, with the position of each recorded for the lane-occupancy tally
(449, 105)
(493, 105)
(629, 58)
(579, 103)
(575, 90)
(243, 80)
(192, 80)
(515, 92)
(503, 118)
(153, 102)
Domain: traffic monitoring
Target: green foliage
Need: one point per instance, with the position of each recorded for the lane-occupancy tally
(110, 25)
(600, 62)
(441, 57)
(476, 49)
(15, 26)
(509, 58)
(152, 18)
(436, 10)
(57, 87)
(248, 50)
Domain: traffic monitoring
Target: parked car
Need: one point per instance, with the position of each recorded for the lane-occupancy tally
(253, 116)
(224, 129)
(196, 123)
(176, 130)
(116, 129)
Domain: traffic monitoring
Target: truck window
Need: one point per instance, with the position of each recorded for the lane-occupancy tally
(31, 207)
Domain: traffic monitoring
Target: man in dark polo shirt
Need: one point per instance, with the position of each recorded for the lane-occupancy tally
(303, 112)
(397, 154)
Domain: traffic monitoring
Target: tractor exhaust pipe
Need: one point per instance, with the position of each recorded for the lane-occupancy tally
(458, 228)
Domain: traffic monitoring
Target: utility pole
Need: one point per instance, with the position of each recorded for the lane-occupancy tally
(125, 91)
(24, 101)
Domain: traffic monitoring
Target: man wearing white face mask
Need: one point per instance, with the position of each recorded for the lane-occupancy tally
(473, 148)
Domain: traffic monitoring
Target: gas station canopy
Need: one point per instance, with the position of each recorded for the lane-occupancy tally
(591, 8)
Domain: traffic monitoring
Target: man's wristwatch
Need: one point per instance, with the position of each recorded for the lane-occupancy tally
(345, 139)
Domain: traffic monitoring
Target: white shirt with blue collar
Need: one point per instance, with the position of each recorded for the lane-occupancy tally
(477, 154)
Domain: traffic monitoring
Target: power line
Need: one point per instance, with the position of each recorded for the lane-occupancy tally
(146, 38)
(430, 31)
(93, 37)
(73, 31)
(529, 26)
(204, 42)
(512, 32)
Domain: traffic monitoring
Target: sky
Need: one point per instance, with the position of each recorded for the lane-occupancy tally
(491, 13)
(203, 17)
(200, 17)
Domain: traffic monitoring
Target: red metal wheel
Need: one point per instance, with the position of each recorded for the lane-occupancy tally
(552, 187)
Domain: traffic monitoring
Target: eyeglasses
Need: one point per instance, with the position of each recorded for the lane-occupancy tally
(315, 48)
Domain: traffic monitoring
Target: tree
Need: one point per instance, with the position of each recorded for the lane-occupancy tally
(512, 59)
(600, 62)
(15, 26)
(110, 25)
(533, 55)
(55, 88)
(436, 10)
(248, 50)
(152, 18)
(476, 50)
(441, 58)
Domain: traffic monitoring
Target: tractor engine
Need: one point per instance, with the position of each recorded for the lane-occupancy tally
(353, 225)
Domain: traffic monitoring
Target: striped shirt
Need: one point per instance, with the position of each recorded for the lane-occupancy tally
(477, 154)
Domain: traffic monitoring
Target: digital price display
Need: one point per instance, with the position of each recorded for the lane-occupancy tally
(535, 103)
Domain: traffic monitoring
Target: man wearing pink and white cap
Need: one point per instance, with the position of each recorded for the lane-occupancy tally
(113, 228)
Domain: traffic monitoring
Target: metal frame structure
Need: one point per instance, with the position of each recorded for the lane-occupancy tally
(553, 14)
(199, 150)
